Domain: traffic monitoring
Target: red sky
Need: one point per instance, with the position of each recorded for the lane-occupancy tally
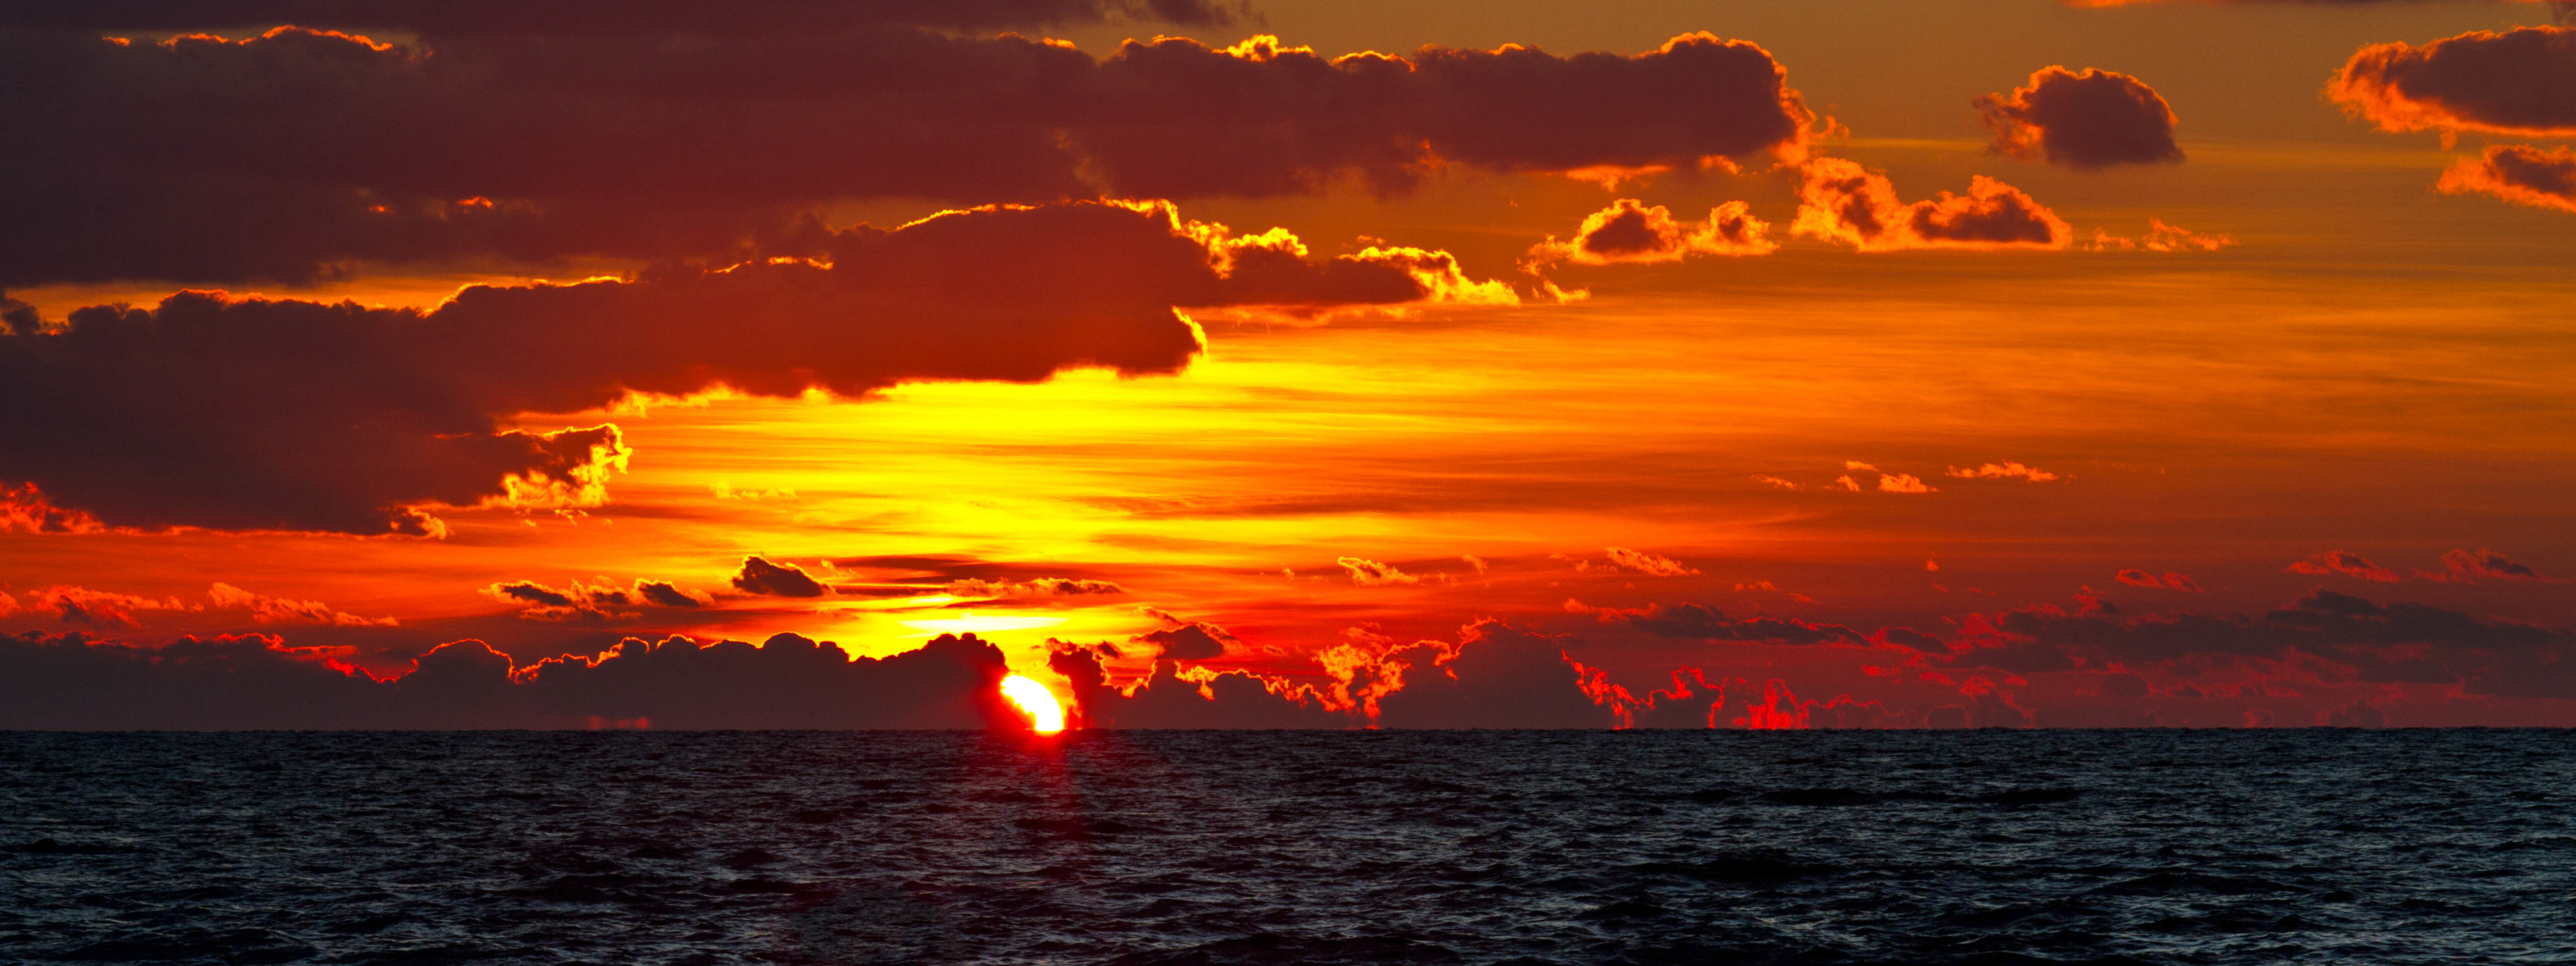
(1749, 365)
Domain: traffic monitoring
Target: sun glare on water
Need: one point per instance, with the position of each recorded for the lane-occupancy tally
(1045, 715)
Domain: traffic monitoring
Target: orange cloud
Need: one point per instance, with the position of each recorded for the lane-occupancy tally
(2346, 563)
(1841, 201)
(2465, 567)
(2520, 82)
(280, 610)
(2004, 471)
(1631, 231)
(1887, 482)
(1370, 573)
(2160, 237)
(2170, 581)
(1648, 564)
(2090, 119)
(96, 608)
(2519, 174)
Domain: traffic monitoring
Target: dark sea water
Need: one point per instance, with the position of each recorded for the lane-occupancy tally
(2292, 846)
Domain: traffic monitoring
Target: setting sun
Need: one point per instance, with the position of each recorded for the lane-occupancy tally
(1046, 715)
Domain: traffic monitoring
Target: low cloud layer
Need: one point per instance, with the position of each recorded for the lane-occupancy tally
(207, 411)
(2088, 119)
(76, 681)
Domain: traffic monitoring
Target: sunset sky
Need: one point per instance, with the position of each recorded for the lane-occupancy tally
(1894, 363)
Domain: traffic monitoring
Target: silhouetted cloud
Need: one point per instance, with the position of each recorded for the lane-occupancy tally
(1165, 699)
(759, 576)
(2089, 119)
(490, 18)
(77, 681)
(2521, 81)
(287, 415)
(2517, 173)
(2392, 643)
(2466, 567)
(1631, 231)
(287, 155)
(1842, 201)
(1701, 622)
(1497, 676)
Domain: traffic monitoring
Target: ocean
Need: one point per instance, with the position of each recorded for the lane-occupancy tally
(1111, 847)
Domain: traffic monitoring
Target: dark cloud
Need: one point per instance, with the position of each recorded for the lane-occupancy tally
(2396, 642)
(759, 576)
(588, 602)
(489, 18)
(1165, 700)
(1498, 676)
(2082, 120)
(662, 593)
(1631, 231)
(2517, 173)
(288, 415)
(77, 681)
(2466, 567)
(1699, 622)
(2520, 82)
(287, 155)
(1842, 201)
(1189, 642)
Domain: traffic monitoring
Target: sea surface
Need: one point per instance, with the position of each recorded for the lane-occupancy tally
(2287, 846)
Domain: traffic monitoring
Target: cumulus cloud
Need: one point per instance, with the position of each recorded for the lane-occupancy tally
(1631, 231)
(1841, 201)
(2170, 581)
(77, 681)
(2089, 119)
(1648, 564)
(286, 155)
(252, 414)
(2343, 562)
(1496, 676)
(2519, 82)
(1190, 641)
(759, 576)
(1887, 482)
(2517, 173)
(2467, 567)
(1171, 697)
